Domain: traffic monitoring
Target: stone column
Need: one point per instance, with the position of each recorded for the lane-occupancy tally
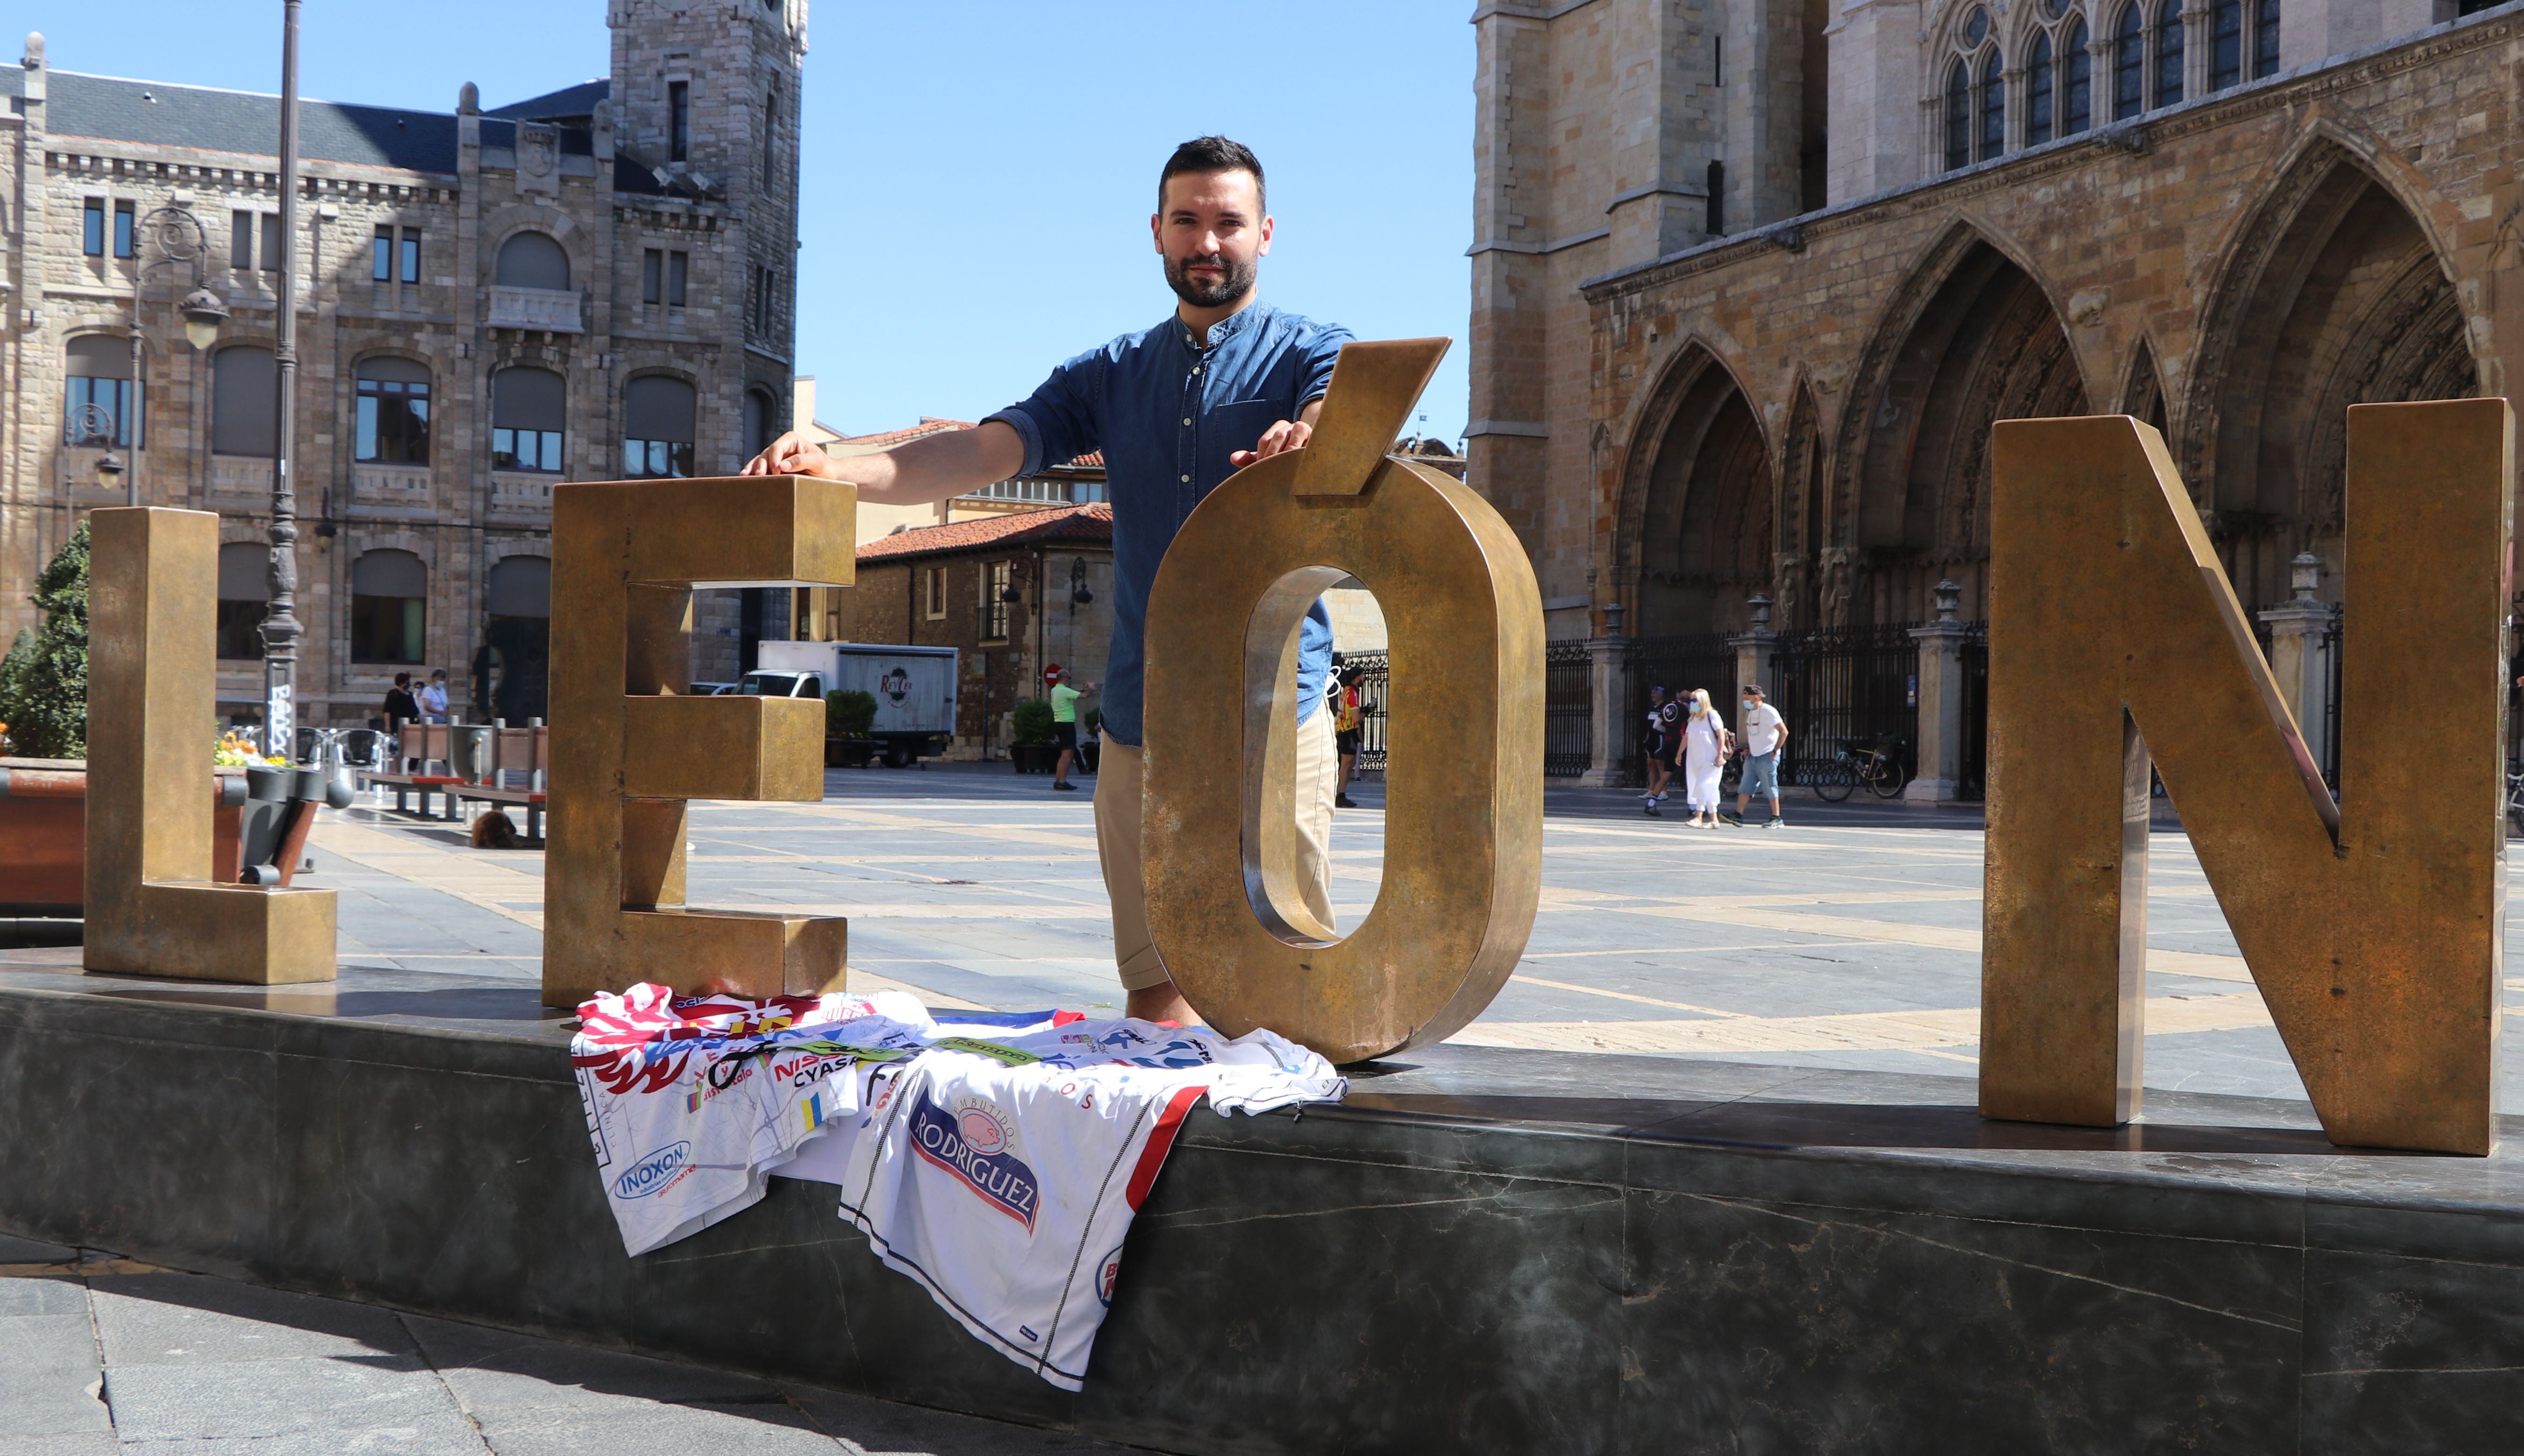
(2301, 655)
(1754, 650)
(1612, 730)
(1941, 701)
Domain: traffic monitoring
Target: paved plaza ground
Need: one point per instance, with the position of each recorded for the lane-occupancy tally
(1847, 940)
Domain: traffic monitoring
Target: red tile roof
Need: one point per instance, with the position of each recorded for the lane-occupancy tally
(930, 424)
(1079, 524)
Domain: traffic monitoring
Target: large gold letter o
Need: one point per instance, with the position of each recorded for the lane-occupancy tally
(1463, 782)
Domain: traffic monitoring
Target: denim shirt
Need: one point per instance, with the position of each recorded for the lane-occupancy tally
(1167, 414)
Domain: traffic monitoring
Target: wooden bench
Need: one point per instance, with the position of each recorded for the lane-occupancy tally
(521, 751)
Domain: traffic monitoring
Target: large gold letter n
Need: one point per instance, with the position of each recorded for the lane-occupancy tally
(2371, 927)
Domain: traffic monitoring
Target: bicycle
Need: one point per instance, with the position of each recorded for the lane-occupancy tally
(1879, 768)
(2515, 797)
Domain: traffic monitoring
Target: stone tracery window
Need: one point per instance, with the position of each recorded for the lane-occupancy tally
(1959, 112)
(2076, 79)
(2037, 91)
(2168, 52)
(2129, 63)
(1993, 106)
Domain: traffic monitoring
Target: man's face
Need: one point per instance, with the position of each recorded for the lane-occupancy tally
(1752, 701)
(1212, 235)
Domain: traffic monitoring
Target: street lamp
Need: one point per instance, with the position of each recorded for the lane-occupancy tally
(1078, 595)
(169, 235)
(280, 627)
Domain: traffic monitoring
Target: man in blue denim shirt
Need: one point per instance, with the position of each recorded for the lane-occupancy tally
(1224, 381)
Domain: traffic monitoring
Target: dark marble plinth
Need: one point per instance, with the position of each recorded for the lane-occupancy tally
(1483, 1252)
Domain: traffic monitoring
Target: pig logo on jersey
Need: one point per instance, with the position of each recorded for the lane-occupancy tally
(656, 1173)
(972, 1142)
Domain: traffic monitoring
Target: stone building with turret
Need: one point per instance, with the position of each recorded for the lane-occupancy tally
(1753, 279)
(586, 286)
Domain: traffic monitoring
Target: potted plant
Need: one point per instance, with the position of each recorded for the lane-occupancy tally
(848, 716)
(1031, 751)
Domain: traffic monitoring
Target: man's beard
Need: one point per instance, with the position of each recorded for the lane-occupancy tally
(1236, 282)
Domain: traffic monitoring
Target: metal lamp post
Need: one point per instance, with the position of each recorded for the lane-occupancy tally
(169, 235)
(280, 627)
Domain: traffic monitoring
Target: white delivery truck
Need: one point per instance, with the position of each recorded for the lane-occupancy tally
(914, 688)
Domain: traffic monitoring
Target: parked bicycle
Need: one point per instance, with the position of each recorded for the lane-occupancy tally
(1880, 768)
(2515, 797)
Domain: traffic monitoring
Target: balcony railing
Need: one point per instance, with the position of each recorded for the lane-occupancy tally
(522, 491)
(553, 310)
(390, 485)
(240, 475)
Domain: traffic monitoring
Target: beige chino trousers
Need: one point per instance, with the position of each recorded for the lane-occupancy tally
(1117, 842)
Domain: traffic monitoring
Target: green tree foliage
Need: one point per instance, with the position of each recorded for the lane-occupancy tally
(43, 681)
(1034, 720)
(848, 714)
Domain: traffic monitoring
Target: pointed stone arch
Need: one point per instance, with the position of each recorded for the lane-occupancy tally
(2143, 394)
(1696, 531)
(1973, 336)
(2334, 292)
(1804, 515)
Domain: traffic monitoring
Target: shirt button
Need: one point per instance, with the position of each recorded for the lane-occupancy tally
(1187, 419)
(1187, 480)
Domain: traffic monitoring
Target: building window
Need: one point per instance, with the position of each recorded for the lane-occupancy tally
(1993, 107)
(2265, 38)
(245, 595)
(657, 429)
(389, 608)
(1958, 116)
(527, 407)
(2037, 91)
(761, 421)
(92, 228)
(2225, 44)
(242, 400)
(1716, 198)
(532, 260)
(770, 131)
(411, 255)
(994, 606)
(2168, 53)
(679, 266)
(933, 605)
(653, 277)
(679, 120)
(2077, 81)
(381, 257)
(763, 304)
(1031, 489)
(393, 425)
(271, 242)
(99, 371)
(2129, 63)
(122, 224)
(241, 240)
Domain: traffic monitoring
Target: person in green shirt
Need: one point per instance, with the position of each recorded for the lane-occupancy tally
(1064, 725)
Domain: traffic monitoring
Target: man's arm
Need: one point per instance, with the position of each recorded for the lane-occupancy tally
(1286, 434)
(929, 469)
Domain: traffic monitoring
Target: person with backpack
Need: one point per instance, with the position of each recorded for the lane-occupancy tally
(1660, 744)
(1349, 719)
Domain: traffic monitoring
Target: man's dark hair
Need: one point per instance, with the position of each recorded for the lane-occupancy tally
(1207, 154)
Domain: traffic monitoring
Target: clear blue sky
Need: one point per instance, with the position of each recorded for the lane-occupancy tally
(978, 176)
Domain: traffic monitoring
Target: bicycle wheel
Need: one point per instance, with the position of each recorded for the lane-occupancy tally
(2516, 805)
(1889, 781)
(1835, 784)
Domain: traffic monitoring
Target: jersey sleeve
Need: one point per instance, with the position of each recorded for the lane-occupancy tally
(1323, 351)
(1063, 419)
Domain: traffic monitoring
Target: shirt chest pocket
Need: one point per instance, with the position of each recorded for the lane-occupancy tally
(1240, 425)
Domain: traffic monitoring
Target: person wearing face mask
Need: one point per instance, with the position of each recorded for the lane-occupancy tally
(1702, 758)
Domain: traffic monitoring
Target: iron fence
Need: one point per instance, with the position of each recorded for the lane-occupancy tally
(2331, 640)
(1678, 664)
(1371, 691)
(1975, 776)
(1568, 709)
(1843, 687)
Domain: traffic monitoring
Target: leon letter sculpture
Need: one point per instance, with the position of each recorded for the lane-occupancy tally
(1464, 826)
(2371, 924)
(630, 745)
(152, 906)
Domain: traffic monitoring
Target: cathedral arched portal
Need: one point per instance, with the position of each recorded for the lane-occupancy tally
(1986, 347)
(1704, 542)
(2333, 296)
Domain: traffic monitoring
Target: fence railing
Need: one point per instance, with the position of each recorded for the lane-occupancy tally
(1974, 777)
(1373, 690)
(1568, 709)
(1847, 688)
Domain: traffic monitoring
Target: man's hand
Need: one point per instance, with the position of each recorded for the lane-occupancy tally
(1288, 434)
(793, 454)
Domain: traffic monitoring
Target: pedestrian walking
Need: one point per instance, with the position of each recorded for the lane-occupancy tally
(1765, 742)
(1664, 724)
(1349, 718)
(1701, 759)
(433, 699)
(402, 708)
(1064, 724)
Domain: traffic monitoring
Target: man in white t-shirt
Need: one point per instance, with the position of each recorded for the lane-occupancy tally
(1764, 735)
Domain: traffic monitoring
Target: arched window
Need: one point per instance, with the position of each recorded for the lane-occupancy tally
(532, 260)
(2168, 52)
(245, 595)
(527, 407)
(393, 426)
(241, 401)
(656, 427)
(2129, 63)
(770, 131)
(508, 668)
(2225, 44)
(761, 421)
(2076, 82)
(1958, 116)
(101, 402)
(2037, 91)
(1993, 106)
(2266, 40)
(389, 606)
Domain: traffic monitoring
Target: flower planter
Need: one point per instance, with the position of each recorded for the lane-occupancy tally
(1032, 758)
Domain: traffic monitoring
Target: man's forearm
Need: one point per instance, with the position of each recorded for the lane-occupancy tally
(932, 467)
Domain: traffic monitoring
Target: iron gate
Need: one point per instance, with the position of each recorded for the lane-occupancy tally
(1847, 688)
(1568, 709)
(1372, 690)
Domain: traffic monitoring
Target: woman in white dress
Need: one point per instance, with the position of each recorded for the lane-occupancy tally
(1702, 759)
